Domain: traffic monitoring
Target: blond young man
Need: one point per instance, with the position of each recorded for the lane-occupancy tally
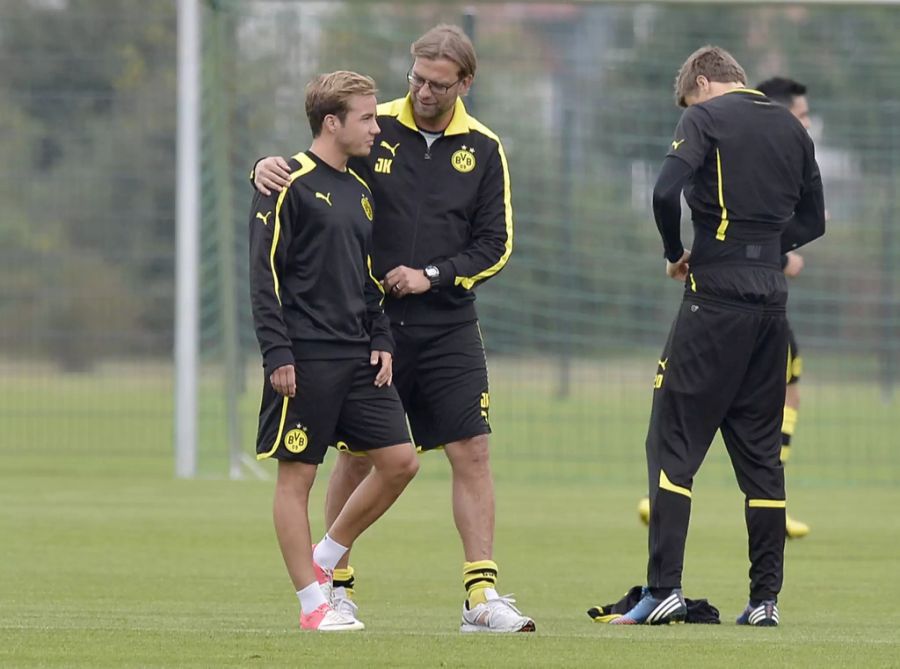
(325, 341)
(444, 226)
(755, 193)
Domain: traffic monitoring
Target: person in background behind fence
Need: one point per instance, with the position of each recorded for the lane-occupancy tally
(792, 95)
(325, 341)
(444, 226)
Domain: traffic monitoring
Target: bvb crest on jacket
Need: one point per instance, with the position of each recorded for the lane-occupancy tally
(464, 159)
(367, 207)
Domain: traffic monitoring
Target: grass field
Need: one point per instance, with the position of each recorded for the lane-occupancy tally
(106, 561)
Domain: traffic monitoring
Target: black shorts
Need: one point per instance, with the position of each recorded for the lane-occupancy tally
(336, 400)
(441, 374)
(795, 362)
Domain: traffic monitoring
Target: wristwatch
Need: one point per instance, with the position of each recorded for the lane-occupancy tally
(433, 274)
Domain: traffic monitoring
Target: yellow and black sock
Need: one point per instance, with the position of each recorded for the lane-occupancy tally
(787, 431)
(477, 577)
(343, 578)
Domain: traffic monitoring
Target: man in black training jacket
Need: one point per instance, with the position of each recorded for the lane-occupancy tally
(325, 341)
(748, 170)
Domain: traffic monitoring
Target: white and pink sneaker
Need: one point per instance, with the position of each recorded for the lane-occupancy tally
(326, 619)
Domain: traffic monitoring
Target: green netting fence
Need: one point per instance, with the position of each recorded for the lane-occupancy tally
(581, 95)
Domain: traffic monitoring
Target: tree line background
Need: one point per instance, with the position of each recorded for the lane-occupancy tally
(580, 93)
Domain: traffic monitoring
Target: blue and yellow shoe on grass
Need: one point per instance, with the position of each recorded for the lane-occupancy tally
(764, 614)
(652, 611)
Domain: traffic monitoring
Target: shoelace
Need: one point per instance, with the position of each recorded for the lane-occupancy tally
(506, 600)
(345, 606)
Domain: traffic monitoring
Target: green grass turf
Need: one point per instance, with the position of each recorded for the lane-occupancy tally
(124, 567)
(106, 561)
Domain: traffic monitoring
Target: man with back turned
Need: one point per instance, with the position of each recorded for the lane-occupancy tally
(749, 174)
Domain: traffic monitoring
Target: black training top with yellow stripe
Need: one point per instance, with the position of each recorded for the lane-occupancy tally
(448, 206)
(311, 284)
(753, 172)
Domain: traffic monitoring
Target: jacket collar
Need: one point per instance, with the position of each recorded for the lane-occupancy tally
(744, 90)
(459, 124)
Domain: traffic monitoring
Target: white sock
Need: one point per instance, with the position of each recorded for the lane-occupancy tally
(490, 593)
(311, 597)
(328, 553)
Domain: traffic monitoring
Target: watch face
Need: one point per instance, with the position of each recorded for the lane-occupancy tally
(431, 272)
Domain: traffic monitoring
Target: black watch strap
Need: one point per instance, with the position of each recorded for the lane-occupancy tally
(434, 275)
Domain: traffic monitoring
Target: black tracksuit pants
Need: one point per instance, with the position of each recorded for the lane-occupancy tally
(723, 368)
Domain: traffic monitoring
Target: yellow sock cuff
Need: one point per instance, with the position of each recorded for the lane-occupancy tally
(477, 576)
(790, 420)
(343, 578)
(785, 453)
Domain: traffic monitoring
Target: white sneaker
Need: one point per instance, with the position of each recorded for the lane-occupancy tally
(326, 619)
(344, 605)
(495, 615)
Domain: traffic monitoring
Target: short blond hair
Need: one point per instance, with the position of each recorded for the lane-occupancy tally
(450, 42)
(330, 93)
(712, 62)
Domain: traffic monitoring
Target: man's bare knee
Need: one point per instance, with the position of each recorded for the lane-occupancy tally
(792, 396)
(408, 468)
(397, 465)
(295, 479)
(469, 455)
(352, 467)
